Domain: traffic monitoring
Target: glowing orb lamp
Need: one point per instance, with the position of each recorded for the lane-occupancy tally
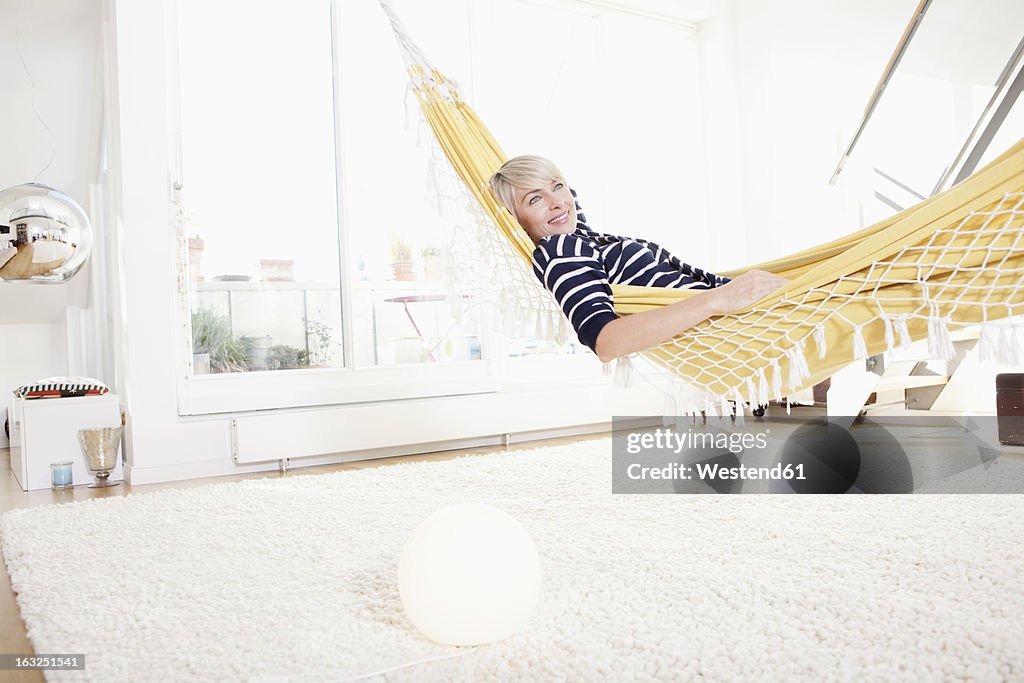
(469, 575)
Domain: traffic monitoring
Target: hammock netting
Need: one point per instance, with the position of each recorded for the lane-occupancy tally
(952, 261)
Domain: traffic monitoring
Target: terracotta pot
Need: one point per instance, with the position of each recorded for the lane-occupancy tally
(402, 270)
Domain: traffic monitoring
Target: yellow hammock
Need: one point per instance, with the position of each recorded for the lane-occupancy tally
(953, 260)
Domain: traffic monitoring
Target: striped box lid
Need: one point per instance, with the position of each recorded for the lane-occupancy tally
(62, 387)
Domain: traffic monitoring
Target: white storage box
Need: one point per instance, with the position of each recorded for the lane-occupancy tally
(45, 430)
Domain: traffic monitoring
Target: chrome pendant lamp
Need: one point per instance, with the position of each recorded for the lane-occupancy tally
(45, 235)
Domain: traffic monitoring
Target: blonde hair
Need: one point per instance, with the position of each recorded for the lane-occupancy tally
(526, 172)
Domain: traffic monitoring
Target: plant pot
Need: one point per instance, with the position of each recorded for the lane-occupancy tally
(200, 364)
(402, 270)
(259, 353)
(433, 267)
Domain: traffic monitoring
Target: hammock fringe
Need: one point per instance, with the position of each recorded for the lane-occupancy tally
(940, 344)
(623, 372)
(819, 340)
(860, 347)
(889, 333)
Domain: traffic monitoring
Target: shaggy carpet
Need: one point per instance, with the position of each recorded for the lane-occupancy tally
(295, 579)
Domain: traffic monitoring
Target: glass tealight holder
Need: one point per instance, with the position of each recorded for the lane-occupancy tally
(61, 476)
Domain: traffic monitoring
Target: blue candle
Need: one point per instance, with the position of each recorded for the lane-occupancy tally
(60, 475)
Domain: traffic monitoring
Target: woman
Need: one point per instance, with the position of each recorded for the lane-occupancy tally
(579, 265)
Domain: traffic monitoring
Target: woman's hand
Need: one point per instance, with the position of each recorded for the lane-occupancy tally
(742, 291)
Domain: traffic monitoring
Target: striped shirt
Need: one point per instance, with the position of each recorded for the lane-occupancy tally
(580, 267)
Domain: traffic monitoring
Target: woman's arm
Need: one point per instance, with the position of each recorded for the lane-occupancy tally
(641, 331)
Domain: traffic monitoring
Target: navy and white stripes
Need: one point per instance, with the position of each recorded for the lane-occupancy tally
(62, 387)
(580, 267)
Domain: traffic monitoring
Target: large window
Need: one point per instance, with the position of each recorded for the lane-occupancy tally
(316, 252)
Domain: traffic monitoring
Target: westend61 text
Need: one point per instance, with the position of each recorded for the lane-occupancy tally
(665, 439)
(712, 471)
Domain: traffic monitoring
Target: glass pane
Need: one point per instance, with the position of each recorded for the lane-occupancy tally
(934, 99)
(260, 184)
(395, 237)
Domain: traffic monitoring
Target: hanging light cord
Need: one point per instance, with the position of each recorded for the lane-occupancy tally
(17, 47)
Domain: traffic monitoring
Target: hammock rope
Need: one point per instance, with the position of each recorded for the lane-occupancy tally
(952, 261)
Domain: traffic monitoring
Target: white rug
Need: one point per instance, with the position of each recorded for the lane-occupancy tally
(295, 579)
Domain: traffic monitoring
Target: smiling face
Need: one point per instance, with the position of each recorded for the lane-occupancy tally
(547, 209)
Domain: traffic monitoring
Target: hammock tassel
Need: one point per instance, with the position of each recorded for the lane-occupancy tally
(606, 369)
(1004, 347)
(762, 388)
(902, 330)
(724, 406)
(1017, 345)
(738, 400)
(890, 340)
(819, 339)
(940, 344)
(798, 370)
(752, 397)
(860, 347)
(988, 343)
(776, 379)
(562, 334)
(623, 372)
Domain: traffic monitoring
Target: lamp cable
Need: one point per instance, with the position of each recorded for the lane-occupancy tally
(425, 660)
(32, 84)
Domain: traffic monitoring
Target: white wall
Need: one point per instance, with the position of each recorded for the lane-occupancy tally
(59, 43)
(30, 352)
(804, 72)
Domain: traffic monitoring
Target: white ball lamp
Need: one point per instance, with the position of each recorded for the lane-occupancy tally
(469, 575)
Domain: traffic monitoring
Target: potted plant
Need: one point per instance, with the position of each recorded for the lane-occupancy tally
(401, 259)
(318, 342)
(259, 352)
(214, 347)
(283, 357)
(432, 264)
